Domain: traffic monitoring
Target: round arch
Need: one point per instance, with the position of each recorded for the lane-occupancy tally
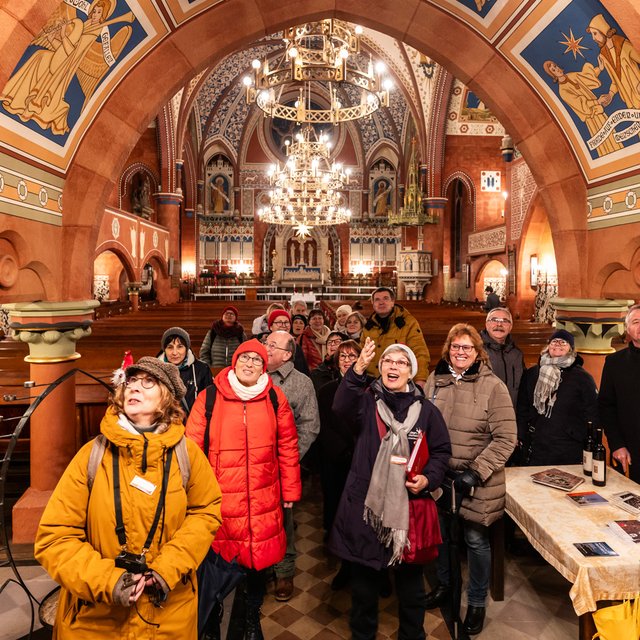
(147, 87)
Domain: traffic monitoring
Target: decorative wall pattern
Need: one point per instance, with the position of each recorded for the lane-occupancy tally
(490, 241)
(613, 204)
(28, 192)
(523, 187)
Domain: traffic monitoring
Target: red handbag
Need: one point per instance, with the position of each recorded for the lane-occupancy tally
(424, 526)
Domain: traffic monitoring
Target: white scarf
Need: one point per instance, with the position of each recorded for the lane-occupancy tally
(247, 393)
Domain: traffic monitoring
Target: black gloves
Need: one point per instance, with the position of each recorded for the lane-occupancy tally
(466, 481)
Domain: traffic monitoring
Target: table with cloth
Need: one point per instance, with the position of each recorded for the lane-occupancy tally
(552, 523)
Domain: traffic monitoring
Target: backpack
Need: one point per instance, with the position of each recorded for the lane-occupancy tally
(100, 444)
(210, 400)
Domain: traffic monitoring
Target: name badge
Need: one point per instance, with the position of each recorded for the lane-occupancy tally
(143, 485)
(398, 460)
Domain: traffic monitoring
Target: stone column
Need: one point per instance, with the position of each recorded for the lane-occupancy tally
(133, 291)
(593, 324)
(200, 196)
(168, 208)
(179, 167)
(51, 330)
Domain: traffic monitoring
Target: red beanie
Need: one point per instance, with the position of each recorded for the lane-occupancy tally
(232, 309)
(251, 345)
(276, 313)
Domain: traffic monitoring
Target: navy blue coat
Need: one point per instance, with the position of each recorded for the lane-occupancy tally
(351, 538)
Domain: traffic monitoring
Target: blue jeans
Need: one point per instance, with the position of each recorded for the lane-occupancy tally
(476, 537)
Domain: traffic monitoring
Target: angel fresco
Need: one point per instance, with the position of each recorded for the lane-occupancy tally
(69, 48)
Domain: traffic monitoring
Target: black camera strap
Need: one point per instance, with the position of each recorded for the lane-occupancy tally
(120, 530)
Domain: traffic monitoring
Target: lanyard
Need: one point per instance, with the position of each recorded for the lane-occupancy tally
(120, 530)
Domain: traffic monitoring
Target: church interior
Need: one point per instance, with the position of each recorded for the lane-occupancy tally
(467, 144)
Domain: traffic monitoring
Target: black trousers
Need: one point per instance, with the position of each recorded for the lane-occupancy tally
(365, 584)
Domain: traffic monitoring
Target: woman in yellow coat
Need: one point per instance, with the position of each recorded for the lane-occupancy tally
(169, 504)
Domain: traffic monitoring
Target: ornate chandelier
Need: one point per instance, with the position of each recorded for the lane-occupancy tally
(326, 52)
(306, 189)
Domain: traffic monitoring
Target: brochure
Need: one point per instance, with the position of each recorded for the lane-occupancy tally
(591, 549)
(557, 479)
(587, 498)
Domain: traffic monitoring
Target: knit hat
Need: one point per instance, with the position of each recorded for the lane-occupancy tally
(300, 316)
(276, 314)
(164, 372)
(344, 307)
(410, 356)
(251, 345)
(233, 310)
(175, 332)
(562, 334)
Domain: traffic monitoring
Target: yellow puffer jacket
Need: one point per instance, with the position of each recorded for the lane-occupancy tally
(76, 541)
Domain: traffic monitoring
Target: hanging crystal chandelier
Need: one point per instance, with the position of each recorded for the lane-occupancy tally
(306, 189)
(324, 52)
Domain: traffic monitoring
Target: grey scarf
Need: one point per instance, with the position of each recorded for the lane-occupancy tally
(544, 395)
(386, 507)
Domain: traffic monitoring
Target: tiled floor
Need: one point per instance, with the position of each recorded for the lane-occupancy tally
(536, 605)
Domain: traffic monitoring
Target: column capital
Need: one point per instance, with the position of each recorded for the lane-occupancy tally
(592, 322)
(51, 329)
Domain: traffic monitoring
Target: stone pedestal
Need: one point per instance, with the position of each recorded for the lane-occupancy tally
(51, 330)
(593, 323)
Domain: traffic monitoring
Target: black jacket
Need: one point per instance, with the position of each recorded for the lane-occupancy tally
(351, 538)
(620, 405)
(507, 362)
(558, 439)
(324, 373)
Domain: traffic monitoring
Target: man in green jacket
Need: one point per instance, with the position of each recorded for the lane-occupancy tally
(390, 323)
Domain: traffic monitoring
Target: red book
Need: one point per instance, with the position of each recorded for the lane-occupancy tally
(419, 457)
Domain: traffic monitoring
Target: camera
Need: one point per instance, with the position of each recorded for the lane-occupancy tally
(131, 562)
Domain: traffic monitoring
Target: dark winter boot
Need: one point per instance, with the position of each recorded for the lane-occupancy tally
(254, 630)
(237, 620)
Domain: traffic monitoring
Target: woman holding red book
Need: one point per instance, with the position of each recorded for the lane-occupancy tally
(372, 525)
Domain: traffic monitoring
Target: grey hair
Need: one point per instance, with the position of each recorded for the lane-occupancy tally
(502, 310)
(291, 342)
(632, 308)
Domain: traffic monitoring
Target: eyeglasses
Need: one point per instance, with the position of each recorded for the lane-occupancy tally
(280, 323)
(558, 342)
(499, 320)
(145, 381)
(273, 345)
(336, 341)
(348, 356)
(400, 364)
(465, 348)
(256, 361)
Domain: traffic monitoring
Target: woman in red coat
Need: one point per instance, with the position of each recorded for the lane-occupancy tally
(254, 455)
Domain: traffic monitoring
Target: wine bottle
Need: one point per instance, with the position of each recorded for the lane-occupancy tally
(587, 451)
(599, 471)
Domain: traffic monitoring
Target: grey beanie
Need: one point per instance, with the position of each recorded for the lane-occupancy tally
(164, 372)
(175, 332)
(410, 356)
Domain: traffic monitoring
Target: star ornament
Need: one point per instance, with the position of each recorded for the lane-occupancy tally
(303, 230)
(572, 44)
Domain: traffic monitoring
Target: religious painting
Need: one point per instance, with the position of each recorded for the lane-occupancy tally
(382, 181)
(80, 45)
(592, 69)
(474, 109)
(481, 7)
(219, 193)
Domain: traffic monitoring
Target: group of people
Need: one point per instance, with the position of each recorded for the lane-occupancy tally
(140, 507)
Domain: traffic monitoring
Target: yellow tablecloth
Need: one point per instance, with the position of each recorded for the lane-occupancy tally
(552, 523)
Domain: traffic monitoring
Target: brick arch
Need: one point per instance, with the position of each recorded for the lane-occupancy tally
(143, 91)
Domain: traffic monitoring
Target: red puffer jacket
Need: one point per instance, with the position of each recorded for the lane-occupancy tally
(255, 460)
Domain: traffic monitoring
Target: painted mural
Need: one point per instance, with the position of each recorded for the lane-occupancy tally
(585, 58)
(66, 62)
